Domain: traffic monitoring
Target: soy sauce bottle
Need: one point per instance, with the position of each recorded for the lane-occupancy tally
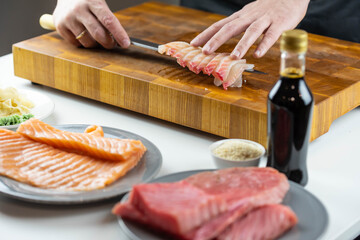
(290, 107)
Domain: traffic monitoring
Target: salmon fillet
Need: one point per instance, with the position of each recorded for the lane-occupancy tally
(43, 166)
(94, 130)
(82, 143)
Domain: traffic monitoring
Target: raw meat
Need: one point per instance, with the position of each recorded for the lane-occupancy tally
(186, 60)
(225, 70)
(202, 64)
(172, 47)
(193, 64)
(221, 72)
(180, 54)
(176, 217)
(43, 166)
(243, 189)
(266, 222)
(85, 144)
(240, 189)
(211, 66)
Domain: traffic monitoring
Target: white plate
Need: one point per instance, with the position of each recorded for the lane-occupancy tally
(43, 105)
(145, 170)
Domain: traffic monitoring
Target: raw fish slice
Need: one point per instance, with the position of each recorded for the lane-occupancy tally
(242, 182)
(235, 74)
(129, 211)
(43, 166)
(94, 130)
(194, 63)
(173, 51)
(217, 82)
(205, 62)
(98, 147)
(242, 189)
(175, 215)
(223, 68)
(172, 47)
(219, 65)
(238, 82)
(163, 49)
(182, 53)
(211, 66)
(188, 57)
(273, 220)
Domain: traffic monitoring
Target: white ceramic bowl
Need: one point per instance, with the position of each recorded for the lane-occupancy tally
(225, 163)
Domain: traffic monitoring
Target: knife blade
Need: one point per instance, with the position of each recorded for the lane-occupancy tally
(154, 46)
(144, 44)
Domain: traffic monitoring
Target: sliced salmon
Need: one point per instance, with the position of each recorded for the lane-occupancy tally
(82, 143)
(94, 130)
(44, 166)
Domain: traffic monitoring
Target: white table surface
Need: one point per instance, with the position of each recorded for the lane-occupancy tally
(333, 165)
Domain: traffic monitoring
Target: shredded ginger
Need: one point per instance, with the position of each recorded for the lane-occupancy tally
(12, 102)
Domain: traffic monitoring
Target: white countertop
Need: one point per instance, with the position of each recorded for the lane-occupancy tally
(333, 165)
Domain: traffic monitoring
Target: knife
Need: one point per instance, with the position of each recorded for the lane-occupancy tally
(47, 22)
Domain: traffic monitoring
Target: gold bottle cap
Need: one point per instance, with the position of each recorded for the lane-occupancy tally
(294, 41)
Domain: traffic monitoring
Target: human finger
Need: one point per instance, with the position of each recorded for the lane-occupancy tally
(81, 34)
(252, 33)
(206, 35)
(110, 22)
(67, 35)
(97, 31)
(270, 37)
(228, 31)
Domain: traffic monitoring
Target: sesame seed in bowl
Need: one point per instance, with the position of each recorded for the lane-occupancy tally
(236, 153)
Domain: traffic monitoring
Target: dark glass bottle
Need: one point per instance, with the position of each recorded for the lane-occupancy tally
(290, 107)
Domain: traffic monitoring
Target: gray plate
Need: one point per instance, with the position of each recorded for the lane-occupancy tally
(146, 170)
(312, 215)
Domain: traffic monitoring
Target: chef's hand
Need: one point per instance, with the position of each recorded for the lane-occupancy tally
(73, 17)
(270, 17)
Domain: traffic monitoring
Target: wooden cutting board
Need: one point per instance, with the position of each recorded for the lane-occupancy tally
(152, 84)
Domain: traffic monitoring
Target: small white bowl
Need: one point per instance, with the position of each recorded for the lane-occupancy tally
(225, 163)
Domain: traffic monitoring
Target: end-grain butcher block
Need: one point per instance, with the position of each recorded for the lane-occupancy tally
(203, 205)
(152, 84)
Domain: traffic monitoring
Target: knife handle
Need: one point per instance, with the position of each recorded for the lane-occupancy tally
(47, 22)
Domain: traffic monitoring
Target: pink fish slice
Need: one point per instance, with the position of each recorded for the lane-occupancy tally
(184, 61)
(226, 71)
(172, 47)
(223, 68)
(191, 55)
(207, 58)
(217, 82)
(181, 54)
(194, 63)
(163, 49)
(235, 74)
(211, 66)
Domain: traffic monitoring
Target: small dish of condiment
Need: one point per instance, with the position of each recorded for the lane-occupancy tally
(236, 153)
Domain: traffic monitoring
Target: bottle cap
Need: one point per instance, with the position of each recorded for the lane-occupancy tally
(294, 41)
